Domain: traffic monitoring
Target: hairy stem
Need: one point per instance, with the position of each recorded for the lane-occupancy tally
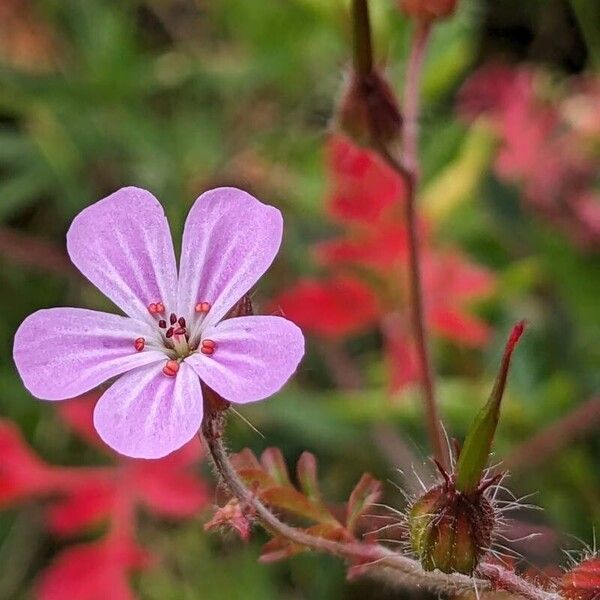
(408, 169)
(376, 560)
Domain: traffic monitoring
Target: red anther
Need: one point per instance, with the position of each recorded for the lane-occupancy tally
(139, 344)
(172, 318)
(203, 307)
(171, 368)
(179, 331)
(156, 308)
(181, 321)
(169, 332)
(162, 324)
(208, 347)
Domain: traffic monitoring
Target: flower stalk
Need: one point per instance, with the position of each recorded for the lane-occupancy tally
(408, 169)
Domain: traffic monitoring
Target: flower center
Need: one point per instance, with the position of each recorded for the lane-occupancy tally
(175, 337)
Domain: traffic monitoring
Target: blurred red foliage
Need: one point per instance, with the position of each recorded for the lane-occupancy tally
(365, 268)
(549, 141)
(78, 499)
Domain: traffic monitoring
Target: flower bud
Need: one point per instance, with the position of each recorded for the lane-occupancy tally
(449, 530)
(452, 524)
(428, 10)
(368, 111)
(583, 581)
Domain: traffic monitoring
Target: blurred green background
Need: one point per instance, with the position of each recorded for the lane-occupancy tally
(178, 96)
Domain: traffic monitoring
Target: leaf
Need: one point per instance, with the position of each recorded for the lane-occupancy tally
(306, 470)
(366, 492)
(252, 477)
(289, 499)
(279, 548)
(274, 464)
(245, 459)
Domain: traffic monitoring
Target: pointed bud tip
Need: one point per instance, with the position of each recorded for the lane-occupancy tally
(516, 334)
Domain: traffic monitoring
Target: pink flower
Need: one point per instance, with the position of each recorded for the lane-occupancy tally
(174, 334)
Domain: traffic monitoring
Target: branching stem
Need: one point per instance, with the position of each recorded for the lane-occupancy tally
(376, 560)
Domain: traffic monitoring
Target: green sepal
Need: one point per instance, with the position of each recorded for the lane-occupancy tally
(475, 452)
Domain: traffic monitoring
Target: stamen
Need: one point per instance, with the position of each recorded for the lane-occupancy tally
(171, 368)
(169, 332)
(156, 308)
(139, 344)
(162, 324)
(208, 347)
(181, 321)
(172, 318)
(203, 307)
(179, 331)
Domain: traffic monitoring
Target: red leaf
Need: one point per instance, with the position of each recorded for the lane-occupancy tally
(289, 499)
(274, 464)
(306, 470)
(245, 459)
(279, 548)
(366, 492)
(256, 478)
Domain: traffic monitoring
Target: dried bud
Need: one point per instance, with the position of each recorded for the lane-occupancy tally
(583, 581)
(449, 530)
(368, 111)
(428, 10)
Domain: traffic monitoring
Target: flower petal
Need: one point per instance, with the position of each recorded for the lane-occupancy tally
(254, 357)
(146, 414)
(230, 239)
(122, 244)
(63, 352)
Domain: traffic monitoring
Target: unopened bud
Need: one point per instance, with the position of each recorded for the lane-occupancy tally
(582, 582)
(368, 111)
(449, 530)
(428, 10)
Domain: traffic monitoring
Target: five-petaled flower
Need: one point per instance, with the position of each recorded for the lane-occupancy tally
(175, 334)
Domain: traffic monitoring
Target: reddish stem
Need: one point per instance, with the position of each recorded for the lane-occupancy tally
(408, 169)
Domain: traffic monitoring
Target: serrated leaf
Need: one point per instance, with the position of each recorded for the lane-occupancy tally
(306, 470)
(366, 492)
(279, 548)
(245, 459)
(289, 499)
(274, 464)
(256, 477)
